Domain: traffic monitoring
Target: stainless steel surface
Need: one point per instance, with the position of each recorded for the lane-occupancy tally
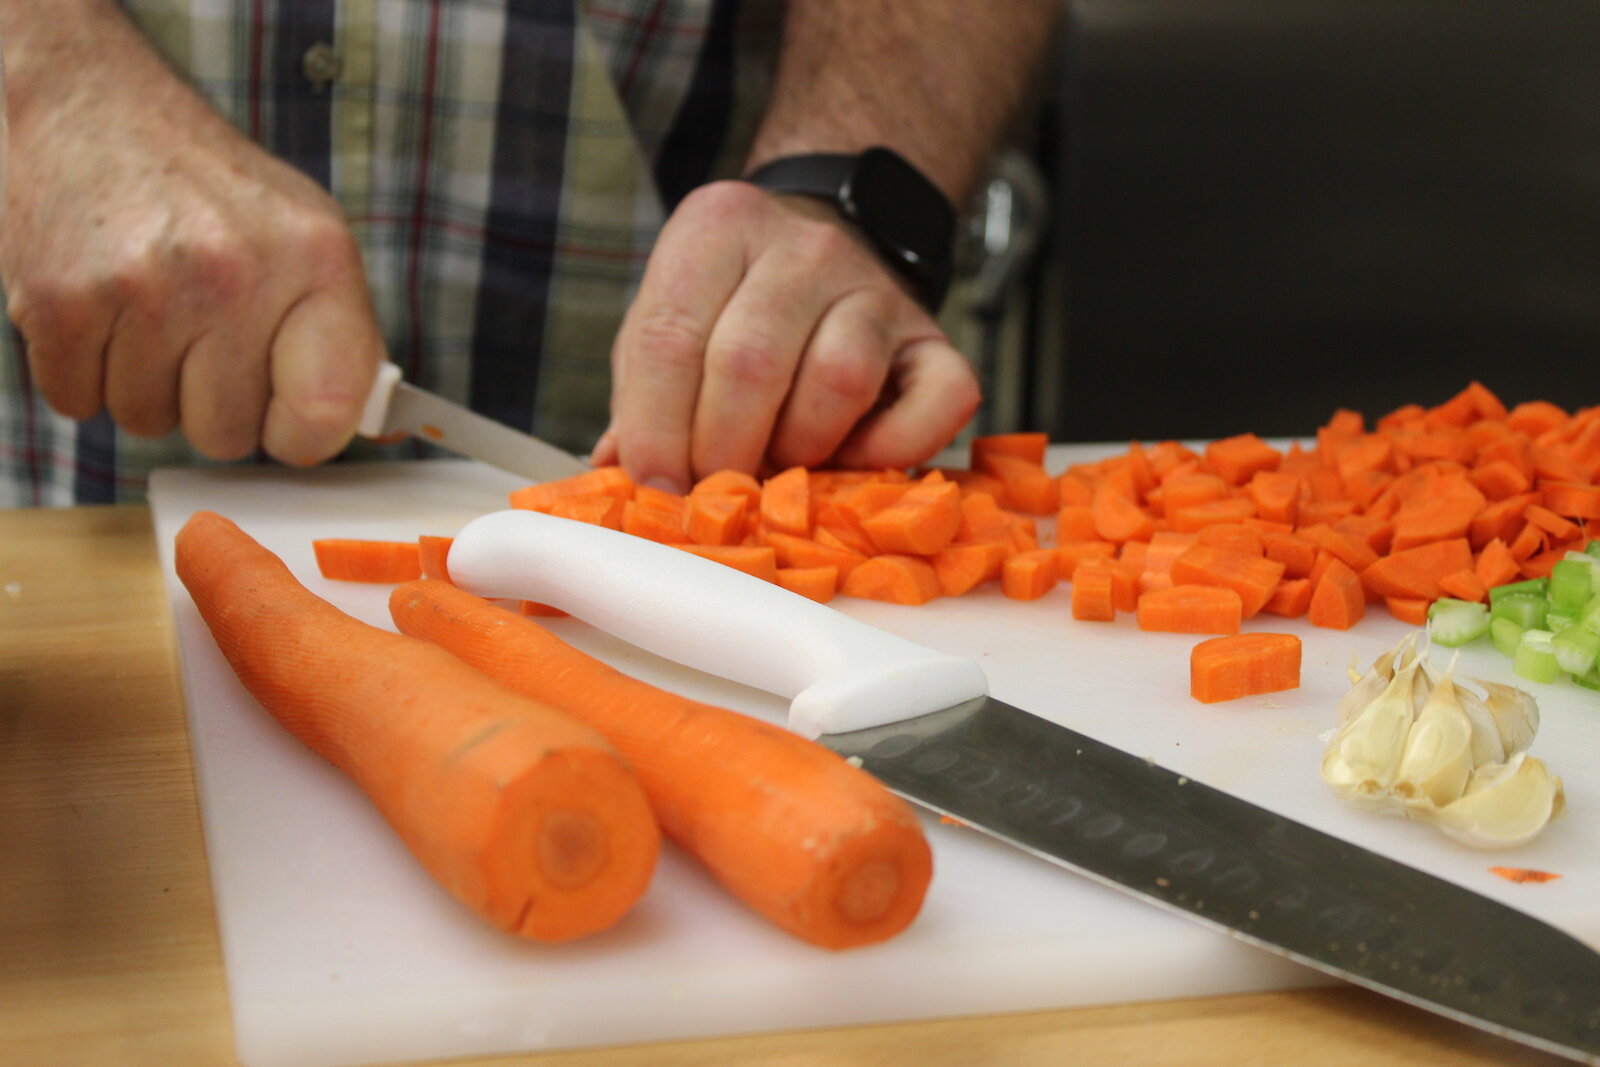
(421, 414)
(1286, 887)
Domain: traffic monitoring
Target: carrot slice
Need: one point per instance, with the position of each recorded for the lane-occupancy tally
(1093, 598)
(925, 519)
(814, 583)
(1252, 577)
(717, 518)
(1412, 611)
(1029, 575)
(758, 561)
(815, 845)
(1291, 599)
(786, 502)
(1117, 518)
(610, 481)
(1236, 459)
(1029, 488)
(1238, 665)
(432, 552)
(1415, 572)
(1028, 446)
(345, 559)
(897, 579)
(1190, 609)
(527, 816)
(1338, 600)
(963, 567)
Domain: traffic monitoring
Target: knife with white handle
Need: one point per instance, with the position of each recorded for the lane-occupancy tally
(922, 722)
(397, 407)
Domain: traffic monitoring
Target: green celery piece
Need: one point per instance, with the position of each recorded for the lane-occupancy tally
(1571, 585)
(1589, 680)
(1576, 649)
(1526, 609)
(1556, 621)
(1588, 616)
(1506, 635)
(1592, 548)
(1453, 622)
(1535, 658)
(1531, 585)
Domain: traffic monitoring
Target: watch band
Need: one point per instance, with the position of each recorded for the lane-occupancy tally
(908, 220)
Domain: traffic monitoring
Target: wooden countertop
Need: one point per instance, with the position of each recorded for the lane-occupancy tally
(108, 942)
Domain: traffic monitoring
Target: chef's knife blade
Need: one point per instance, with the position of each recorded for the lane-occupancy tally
(398, 407)
(922, 721)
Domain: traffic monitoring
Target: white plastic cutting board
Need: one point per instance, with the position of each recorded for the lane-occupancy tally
(340, 950)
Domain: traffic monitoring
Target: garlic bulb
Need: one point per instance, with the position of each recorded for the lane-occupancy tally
(1427, 747)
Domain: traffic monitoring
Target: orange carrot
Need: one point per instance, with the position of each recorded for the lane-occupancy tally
(815, 845)
(431, 554)
(1117, 518)
(346, 559)
(1093, 597)
(925, 519)
(1410, 610)
(1238, 665)
(611, 481)
(1190, 609)
(1464, 585)
(1029, 575)
(528, 817)
(1252, 577)
(1028, 446)
(897, 579)
(1073, 554)
(717, 518)
(814, 583)
(1291, 599)
(597, 508)
(759, 561)
(1338, 601)
(963, 567)
(1415, 572)
(1236, 459)
(1029, 488)
(786, 502)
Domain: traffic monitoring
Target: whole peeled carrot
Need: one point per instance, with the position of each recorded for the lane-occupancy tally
(526, 815)
(816, 845)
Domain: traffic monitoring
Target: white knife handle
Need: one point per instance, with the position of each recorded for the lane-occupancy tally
(376, 410)
(839, 673)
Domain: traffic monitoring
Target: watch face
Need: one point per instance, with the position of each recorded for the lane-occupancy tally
(899, 207)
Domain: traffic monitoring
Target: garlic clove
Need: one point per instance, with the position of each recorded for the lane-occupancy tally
(1487, 746)
(1515, 713)
(1505, 804)
(1437, 756)
(1363, 756)
(1365, 688)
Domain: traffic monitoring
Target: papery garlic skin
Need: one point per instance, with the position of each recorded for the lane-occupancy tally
(1515, 712)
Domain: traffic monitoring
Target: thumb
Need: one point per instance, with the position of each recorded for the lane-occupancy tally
(324, 359)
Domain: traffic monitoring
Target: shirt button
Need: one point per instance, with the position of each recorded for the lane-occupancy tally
(320, 65)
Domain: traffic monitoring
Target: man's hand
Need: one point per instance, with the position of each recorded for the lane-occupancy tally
(766, 334)
(164, 268)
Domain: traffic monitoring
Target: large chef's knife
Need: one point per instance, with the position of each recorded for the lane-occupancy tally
(922, 722)
(397, 407)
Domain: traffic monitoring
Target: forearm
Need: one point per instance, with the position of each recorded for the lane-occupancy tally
(937, 80)
(64, 57)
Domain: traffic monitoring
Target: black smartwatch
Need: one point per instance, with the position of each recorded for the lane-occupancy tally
(905, 216)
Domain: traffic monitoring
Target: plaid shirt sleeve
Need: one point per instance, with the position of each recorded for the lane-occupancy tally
(504, 165)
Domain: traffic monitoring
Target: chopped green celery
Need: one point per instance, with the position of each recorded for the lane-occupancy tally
(1506, 635)
(1556, 621)
(1571, 585)
(1592, 548)
(1536, 586)
(1453, 622)
(1588, 616)
(1535, 658)
(1589, 679)
(1526, 609)
(1576, 649)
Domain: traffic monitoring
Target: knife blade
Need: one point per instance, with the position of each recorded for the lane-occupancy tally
(923, 722)
(395, 406)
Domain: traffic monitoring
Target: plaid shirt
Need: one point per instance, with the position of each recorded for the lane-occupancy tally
(504, 165)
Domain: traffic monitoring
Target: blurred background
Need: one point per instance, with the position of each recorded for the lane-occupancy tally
(1240, 215)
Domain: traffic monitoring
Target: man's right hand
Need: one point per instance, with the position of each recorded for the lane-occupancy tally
(161, 266)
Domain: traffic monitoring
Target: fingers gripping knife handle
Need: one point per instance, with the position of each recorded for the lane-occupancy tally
(839, 673)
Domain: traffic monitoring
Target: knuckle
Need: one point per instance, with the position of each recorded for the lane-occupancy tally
(725, 201)
(749, 362)
(672, 338)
